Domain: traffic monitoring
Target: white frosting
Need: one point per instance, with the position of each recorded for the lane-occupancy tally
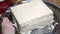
(32, 15)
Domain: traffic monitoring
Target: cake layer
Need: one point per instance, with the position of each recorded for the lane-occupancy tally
(32, 27)
(39, 22)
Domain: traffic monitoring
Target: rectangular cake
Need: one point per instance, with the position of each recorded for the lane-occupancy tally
(32, 15)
